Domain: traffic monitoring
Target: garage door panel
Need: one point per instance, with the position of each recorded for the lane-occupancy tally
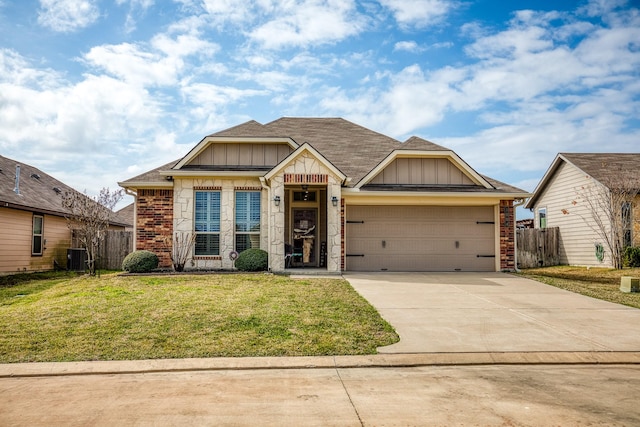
(421, 263)
(420, 238)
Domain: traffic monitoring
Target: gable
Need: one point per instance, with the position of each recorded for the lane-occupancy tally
(250, 155)
(421, 171)
(424, 168)
(236, 153)
(305, 161)
(606, 168)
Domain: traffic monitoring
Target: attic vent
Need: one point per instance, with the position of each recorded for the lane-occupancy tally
(57, 190)
(35, 175)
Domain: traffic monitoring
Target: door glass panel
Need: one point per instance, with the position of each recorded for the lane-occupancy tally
(304, 235)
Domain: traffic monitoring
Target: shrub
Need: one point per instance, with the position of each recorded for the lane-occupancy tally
(140, 262)
(252, 260)
(632, 256)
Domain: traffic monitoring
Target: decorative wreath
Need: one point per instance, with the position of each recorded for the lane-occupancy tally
(233, 255)
(600, 252)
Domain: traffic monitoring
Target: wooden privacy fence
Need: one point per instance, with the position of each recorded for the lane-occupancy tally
(116, 245)
(538, 247)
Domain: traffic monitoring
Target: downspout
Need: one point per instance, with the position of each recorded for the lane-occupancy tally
(517, 203)
(135, 215)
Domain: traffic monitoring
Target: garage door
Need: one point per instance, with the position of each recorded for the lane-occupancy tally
(420, 238)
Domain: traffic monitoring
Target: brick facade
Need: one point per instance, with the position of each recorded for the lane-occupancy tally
(154, 223)
(507, 236)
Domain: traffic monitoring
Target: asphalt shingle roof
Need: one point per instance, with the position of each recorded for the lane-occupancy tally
(153, 175)
(608, 168)
(39, 192)
(36, 188)
(353, 149)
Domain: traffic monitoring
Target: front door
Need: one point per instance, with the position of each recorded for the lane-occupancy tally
(304, 237)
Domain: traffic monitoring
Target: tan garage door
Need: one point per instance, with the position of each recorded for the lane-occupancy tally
(420, 238)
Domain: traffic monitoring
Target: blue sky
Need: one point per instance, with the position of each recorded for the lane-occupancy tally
(95, 92)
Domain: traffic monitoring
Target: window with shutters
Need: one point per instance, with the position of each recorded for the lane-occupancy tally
(207, 223)
(247, 220)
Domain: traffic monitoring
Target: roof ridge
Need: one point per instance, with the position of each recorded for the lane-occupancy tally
(248, 122)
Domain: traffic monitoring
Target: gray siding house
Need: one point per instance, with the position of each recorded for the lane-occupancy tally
(567, 197)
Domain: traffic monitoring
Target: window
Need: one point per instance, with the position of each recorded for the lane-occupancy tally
(207, 223)
(247, 220)
(38, 232)
(626, 224)
(304, 196)
(542, 218)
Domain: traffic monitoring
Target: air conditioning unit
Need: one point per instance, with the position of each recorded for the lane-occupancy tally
(76, 259)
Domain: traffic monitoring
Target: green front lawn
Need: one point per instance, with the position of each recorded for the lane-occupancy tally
(601, 283)
(69, 318)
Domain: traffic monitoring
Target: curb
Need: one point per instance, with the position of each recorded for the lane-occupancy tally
(52, 369)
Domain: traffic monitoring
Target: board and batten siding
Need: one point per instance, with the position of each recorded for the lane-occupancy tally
(246, 154)
(15, 242)
(416, 171)
(566, 209)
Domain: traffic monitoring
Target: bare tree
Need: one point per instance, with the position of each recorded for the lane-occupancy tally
(89, 218)
(180, 246)
(610, 204)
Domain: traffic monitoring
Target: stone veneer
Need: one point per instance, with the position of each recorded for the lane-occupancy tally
(305, 169)
(154, 223)
(185, 189)
(507, 236)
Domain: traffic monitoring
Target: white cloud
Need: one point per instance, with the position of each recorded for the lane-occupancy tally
(161, 64)
(299, 23)
(88, 124)
(136, 7)
(67, 15)
(602, 7)
(408, 46)
(418, 13)
(529, 90)
(228, 10)
(209, 103)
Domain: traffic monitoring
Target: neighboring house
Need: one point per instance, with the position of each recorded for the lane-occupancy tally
(127, 215)
(567, 198)
(326, 193)
(33, 230)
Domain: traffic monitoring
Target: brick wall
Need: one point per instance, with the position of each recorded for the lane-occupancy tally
(154, 223)
(507, 237)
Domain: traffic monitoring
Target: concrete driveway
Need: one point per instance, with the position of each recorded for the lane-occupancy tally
(493, 312)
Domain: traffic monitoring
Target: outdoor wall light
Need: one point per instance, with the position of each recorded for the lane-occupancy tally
(334, 201)
(276, 200)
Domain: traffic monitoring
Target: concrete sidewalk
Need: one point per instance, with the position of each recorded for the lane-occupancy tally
(494, 312)
(60, 369)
